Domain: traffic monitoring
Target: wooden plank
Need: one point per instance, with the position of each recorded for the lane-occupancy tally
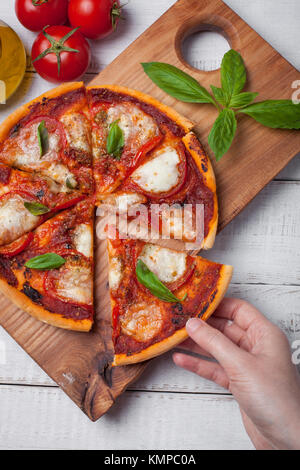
(173, 421)
(279, 303)
(292, 171)
(281, 27)
(262, 243)
(85, 357)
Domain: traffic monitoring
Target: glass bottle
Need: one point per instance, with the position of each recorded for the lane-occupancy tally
(12, 61)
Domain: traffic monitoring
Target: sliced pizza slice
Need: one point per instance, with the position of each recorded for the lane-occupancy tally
(51, 135)
(50, 274)
(154, 291)
(126, 126)
(176, 184)
(27, 200)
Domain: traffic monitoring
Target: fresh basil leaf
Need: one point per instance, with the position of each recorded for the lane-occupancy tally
(43, 138)
(151, 281)
(45, 262)
(233, 74)
(177, 83)
(222, 133)
(242, 99)
(277, 114)
(71, 182)
(219, 95)
(115, 140)
(35, 208)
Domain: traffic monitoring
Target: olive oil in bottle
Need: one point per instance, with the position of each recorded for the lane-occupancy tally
(12, 61)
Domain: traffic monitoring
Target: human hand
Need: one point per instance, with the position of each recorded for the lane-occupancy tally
(254, 364)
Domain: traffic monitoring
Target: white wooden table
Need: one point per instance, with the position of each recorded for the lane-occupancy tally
(169, 408)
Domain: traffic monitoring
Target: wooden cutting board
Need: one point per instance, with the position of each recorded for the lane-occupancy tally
(79, 362)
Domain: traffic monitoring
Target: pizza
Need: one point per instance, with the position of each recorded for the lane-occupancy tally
(162, 161)
(27, 200)
(74, 149)
(61, 115)
(63, 296)
(149, 319)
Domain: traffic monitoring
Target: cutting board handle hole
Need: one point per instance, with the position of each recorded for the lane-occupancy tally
(202, 40)
(204, 49)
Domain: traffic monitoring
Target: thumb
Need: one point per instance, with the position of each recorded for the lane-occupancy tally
(214, 342)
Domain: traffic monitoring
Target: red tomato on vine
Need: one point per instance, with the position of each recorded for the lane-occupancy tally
(96, 18)
(36, 14)
(60, 54)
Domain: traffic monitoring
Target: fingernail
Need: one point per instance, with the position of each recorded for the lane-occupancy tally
(193, 324)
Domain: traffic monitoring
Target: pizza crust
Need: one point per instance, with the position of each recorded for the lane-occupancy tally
(183, 122)
(22, 111)
(38, 312)
(200, 157)
(180, 335)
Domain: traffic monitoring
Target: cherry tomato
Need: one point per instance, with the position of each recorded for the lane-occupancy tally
(143, 151)
(96, 18)
(173, 286)
(16, 247)
(36, 14)
(60, 54)
(67, 204)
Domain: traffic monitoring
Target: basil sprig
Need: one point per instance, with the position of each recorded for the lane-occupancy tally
(222, 133)
(177, 83)
(71, 182)
(278, 114)
(242, 99)
(115, 140)
(43, 138)
(35, 208)
(151, 281)
(57, 47)
(233, 75)
(230, 99)
(46, 262)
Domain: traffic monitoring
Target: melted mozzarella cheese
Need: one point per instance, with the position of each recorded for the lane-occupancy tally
(168, 265)
(178, 225)
(55, 187)
(161, 173)
(115, 272)
(83, 239)
(75, 283)
(77, 131)
(122, 201)
(28, 153)
(15, 220)
(142, 321)
(60, 174)
(137, 126)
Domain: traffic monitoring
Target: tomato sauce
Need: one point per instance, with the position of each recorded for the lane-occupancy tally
(5, 173)
(53, 107)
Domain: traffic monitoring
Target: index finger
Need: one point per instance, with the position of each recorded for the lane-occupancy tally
(240, 312)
